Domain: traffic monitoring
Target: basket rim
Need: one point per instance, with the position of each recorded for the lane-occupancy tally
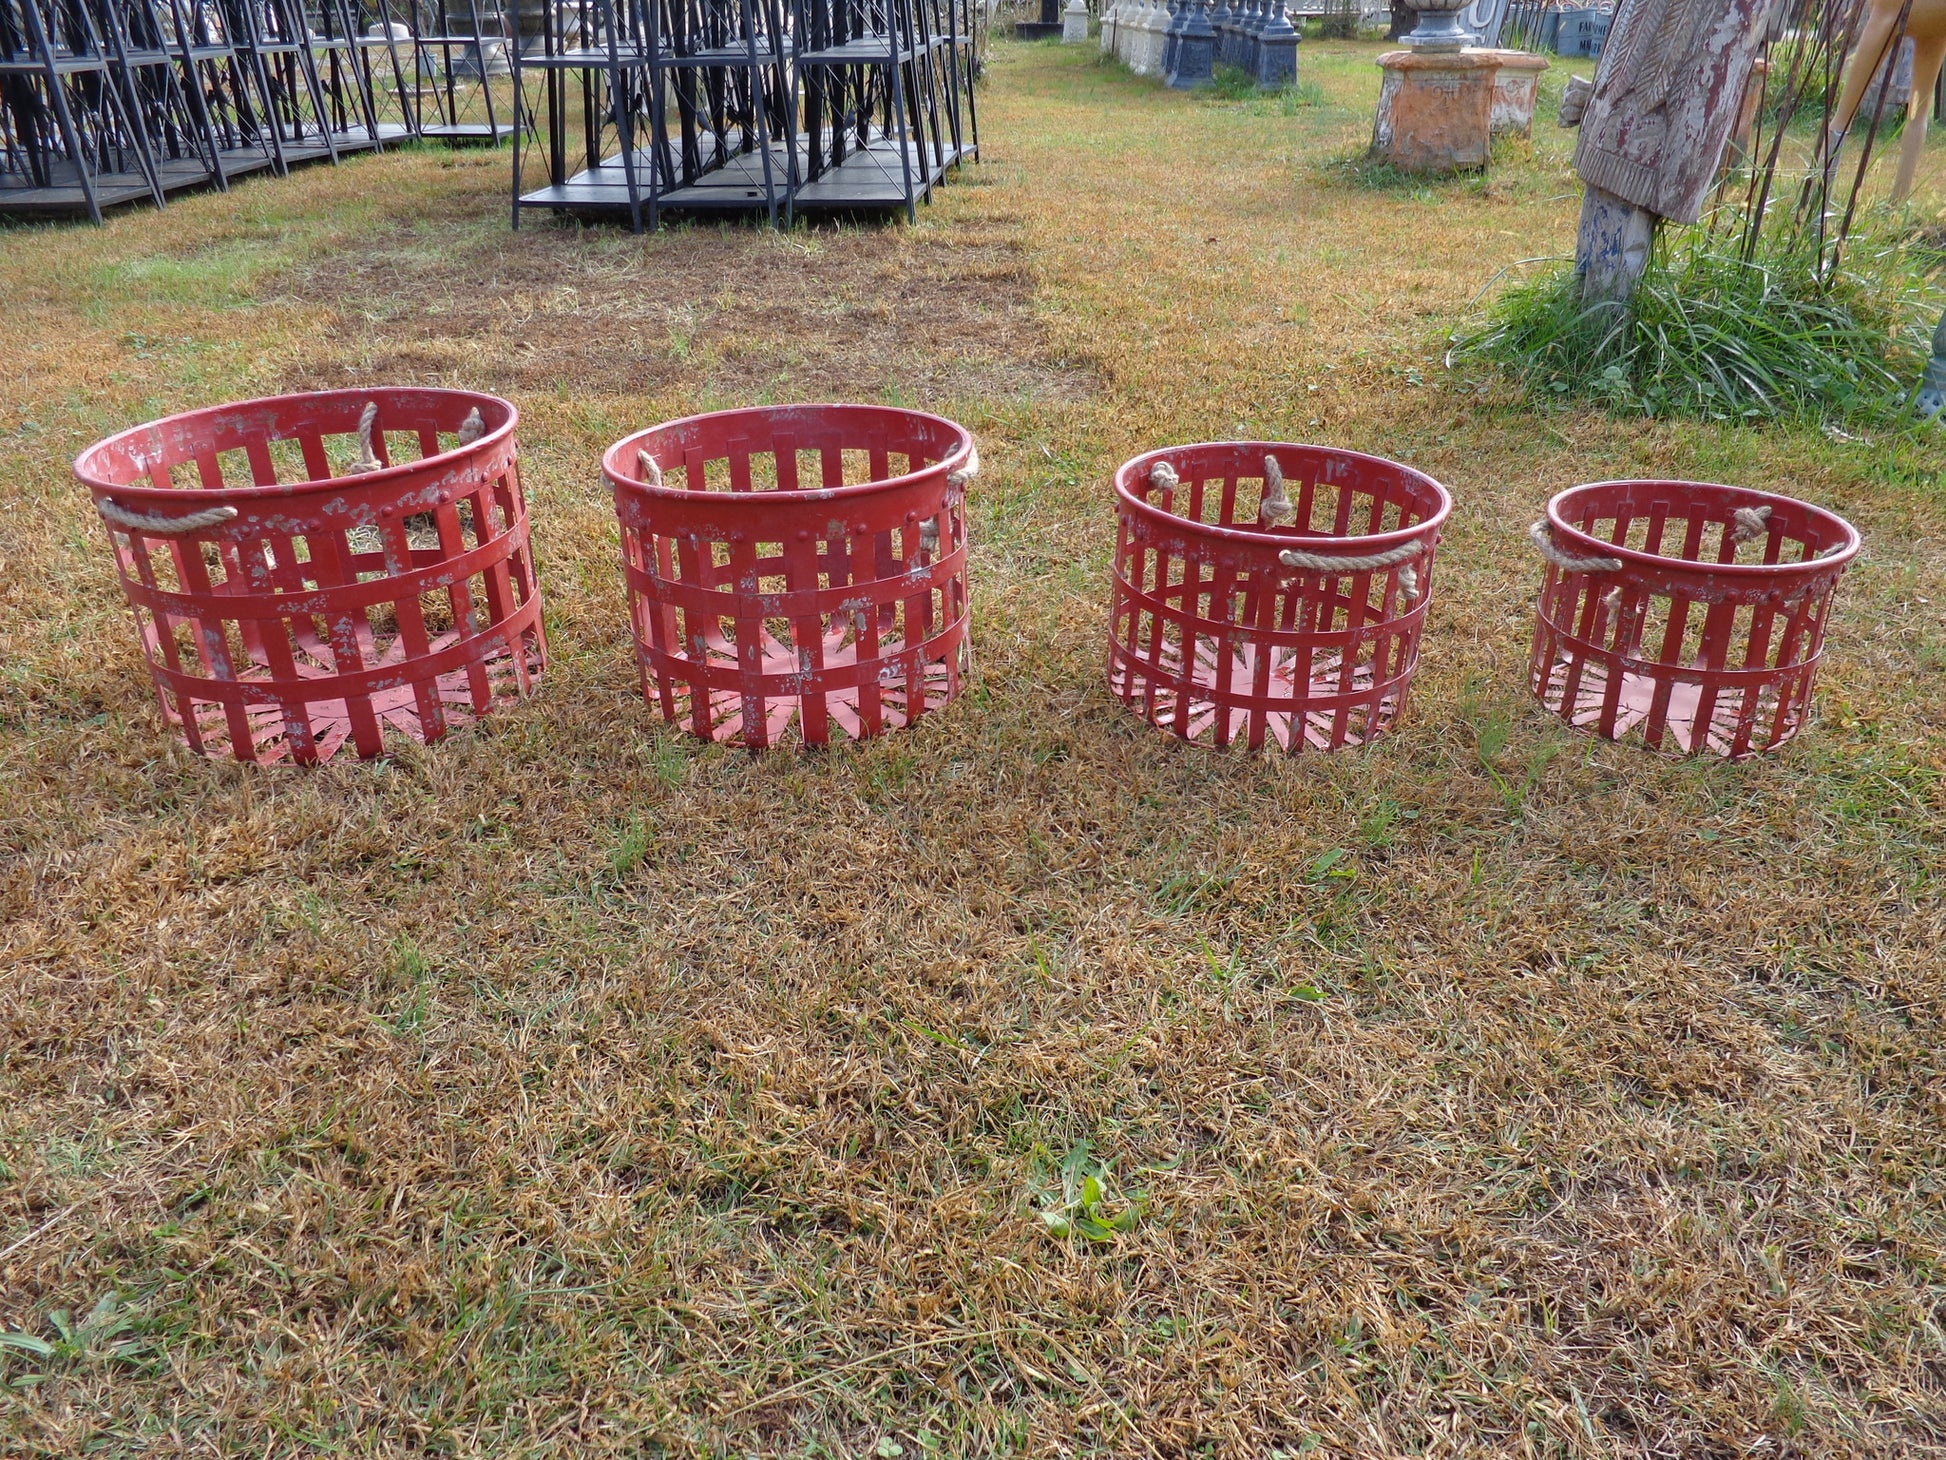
(152, 494)
(1753, 497)
(620, 479)
(1128, 472)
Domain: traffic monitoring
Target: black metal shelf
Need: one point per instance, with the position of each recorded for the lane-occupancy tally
(761, 106)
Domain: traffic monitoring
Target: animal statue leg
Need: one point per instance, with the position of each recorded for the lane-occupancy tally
(1873, 46)
(1927, 52)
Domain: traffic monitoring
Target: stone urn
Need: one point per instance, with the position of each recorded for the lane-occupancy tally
(1439, 27)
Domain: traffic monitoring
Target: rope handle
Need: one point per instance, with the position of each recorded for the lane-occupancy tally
(1403, 554)
(157, 526)
(1542, 536)
(652, 474)
(1749, 523)
(966, 473)
(1366, 563)
(367, 458)
(1274, 507)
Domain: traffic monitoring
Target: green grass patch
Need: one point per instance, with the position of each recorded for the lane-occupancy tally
(1712, 335)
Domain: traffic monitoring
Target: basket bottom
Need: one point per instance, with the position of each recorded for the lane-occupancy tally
(279, 734)
(1351, 710)
(778, 662)
(783, 714)
(1635, 709)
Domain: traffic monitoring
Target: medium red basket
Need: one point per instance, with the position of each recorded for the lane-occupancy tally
(311, 571)
(796, 569)
(1690, 614)
(1269, 591)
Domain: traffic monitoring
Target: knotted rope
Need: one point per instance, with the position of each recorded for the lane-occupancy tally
(157, 526)
(1542, 536)
(1751, 522)
(1275, 510)
(367, 458)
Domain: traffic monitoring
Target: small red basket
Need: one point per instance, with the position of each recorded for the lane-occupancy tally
(796, 568)
(1689, 613)
(314, 570)
(1266, 590)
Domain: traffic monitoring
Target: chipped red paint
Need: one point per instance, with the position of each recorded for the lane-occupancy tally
(1621, 652)
(1212, 637)
(763, 605)
(319, 614)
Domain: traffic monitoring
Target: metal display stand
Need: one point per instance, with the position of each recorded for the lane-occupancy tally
(751, 106)
(108, 102)
(460, 50)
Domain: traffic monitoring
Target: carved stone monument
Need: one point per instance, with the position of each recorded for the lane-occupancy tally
(1666, 97)
(1074, 24)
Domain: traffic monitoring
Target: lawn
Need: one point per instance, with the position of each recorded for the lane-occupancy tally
(571, 1088)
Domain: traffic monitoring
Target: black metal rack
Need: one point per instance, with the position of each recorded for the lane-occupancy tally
(107, 102)
(754, 106)
(462, 73)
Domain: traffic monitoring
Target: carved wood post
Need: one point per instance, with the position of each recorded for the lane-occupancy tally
(1612, 249)
(1665, 100)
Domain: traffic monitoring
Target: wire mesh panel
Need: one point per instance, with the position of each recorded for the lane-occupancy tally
(796, 569)
(1690, 614)
(311, 571)
(1267, 591)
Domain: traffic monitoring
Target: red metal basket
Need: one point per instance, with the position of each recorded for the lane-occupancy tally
(309, 570)
(1691, 613)
(1264, 590)
(809, 570)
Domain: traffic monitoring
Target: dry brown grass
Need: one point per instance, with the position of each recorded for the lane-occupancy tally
(570, 1089)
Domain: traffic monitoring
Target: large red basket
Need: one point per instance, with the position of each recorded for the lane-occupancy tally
(1690, 614)
(796, 570)
(1243, 614)
(311, 571)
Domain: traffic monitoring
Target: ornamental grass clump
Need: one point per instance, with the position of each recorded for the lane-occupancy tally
(1791, 298)
(1720, 333)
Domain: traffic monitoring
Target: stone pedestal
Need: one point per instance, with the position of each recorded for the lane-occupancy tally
(1074, 24)
(1514, 88)
(1133, 36)
(1044, 29)
(1155, 38)
(1435, 110)
(1193, 65)
(1277, 41)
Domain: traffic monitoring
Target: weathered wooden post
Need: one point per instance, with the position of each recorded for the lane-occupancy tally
(1665, 99)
